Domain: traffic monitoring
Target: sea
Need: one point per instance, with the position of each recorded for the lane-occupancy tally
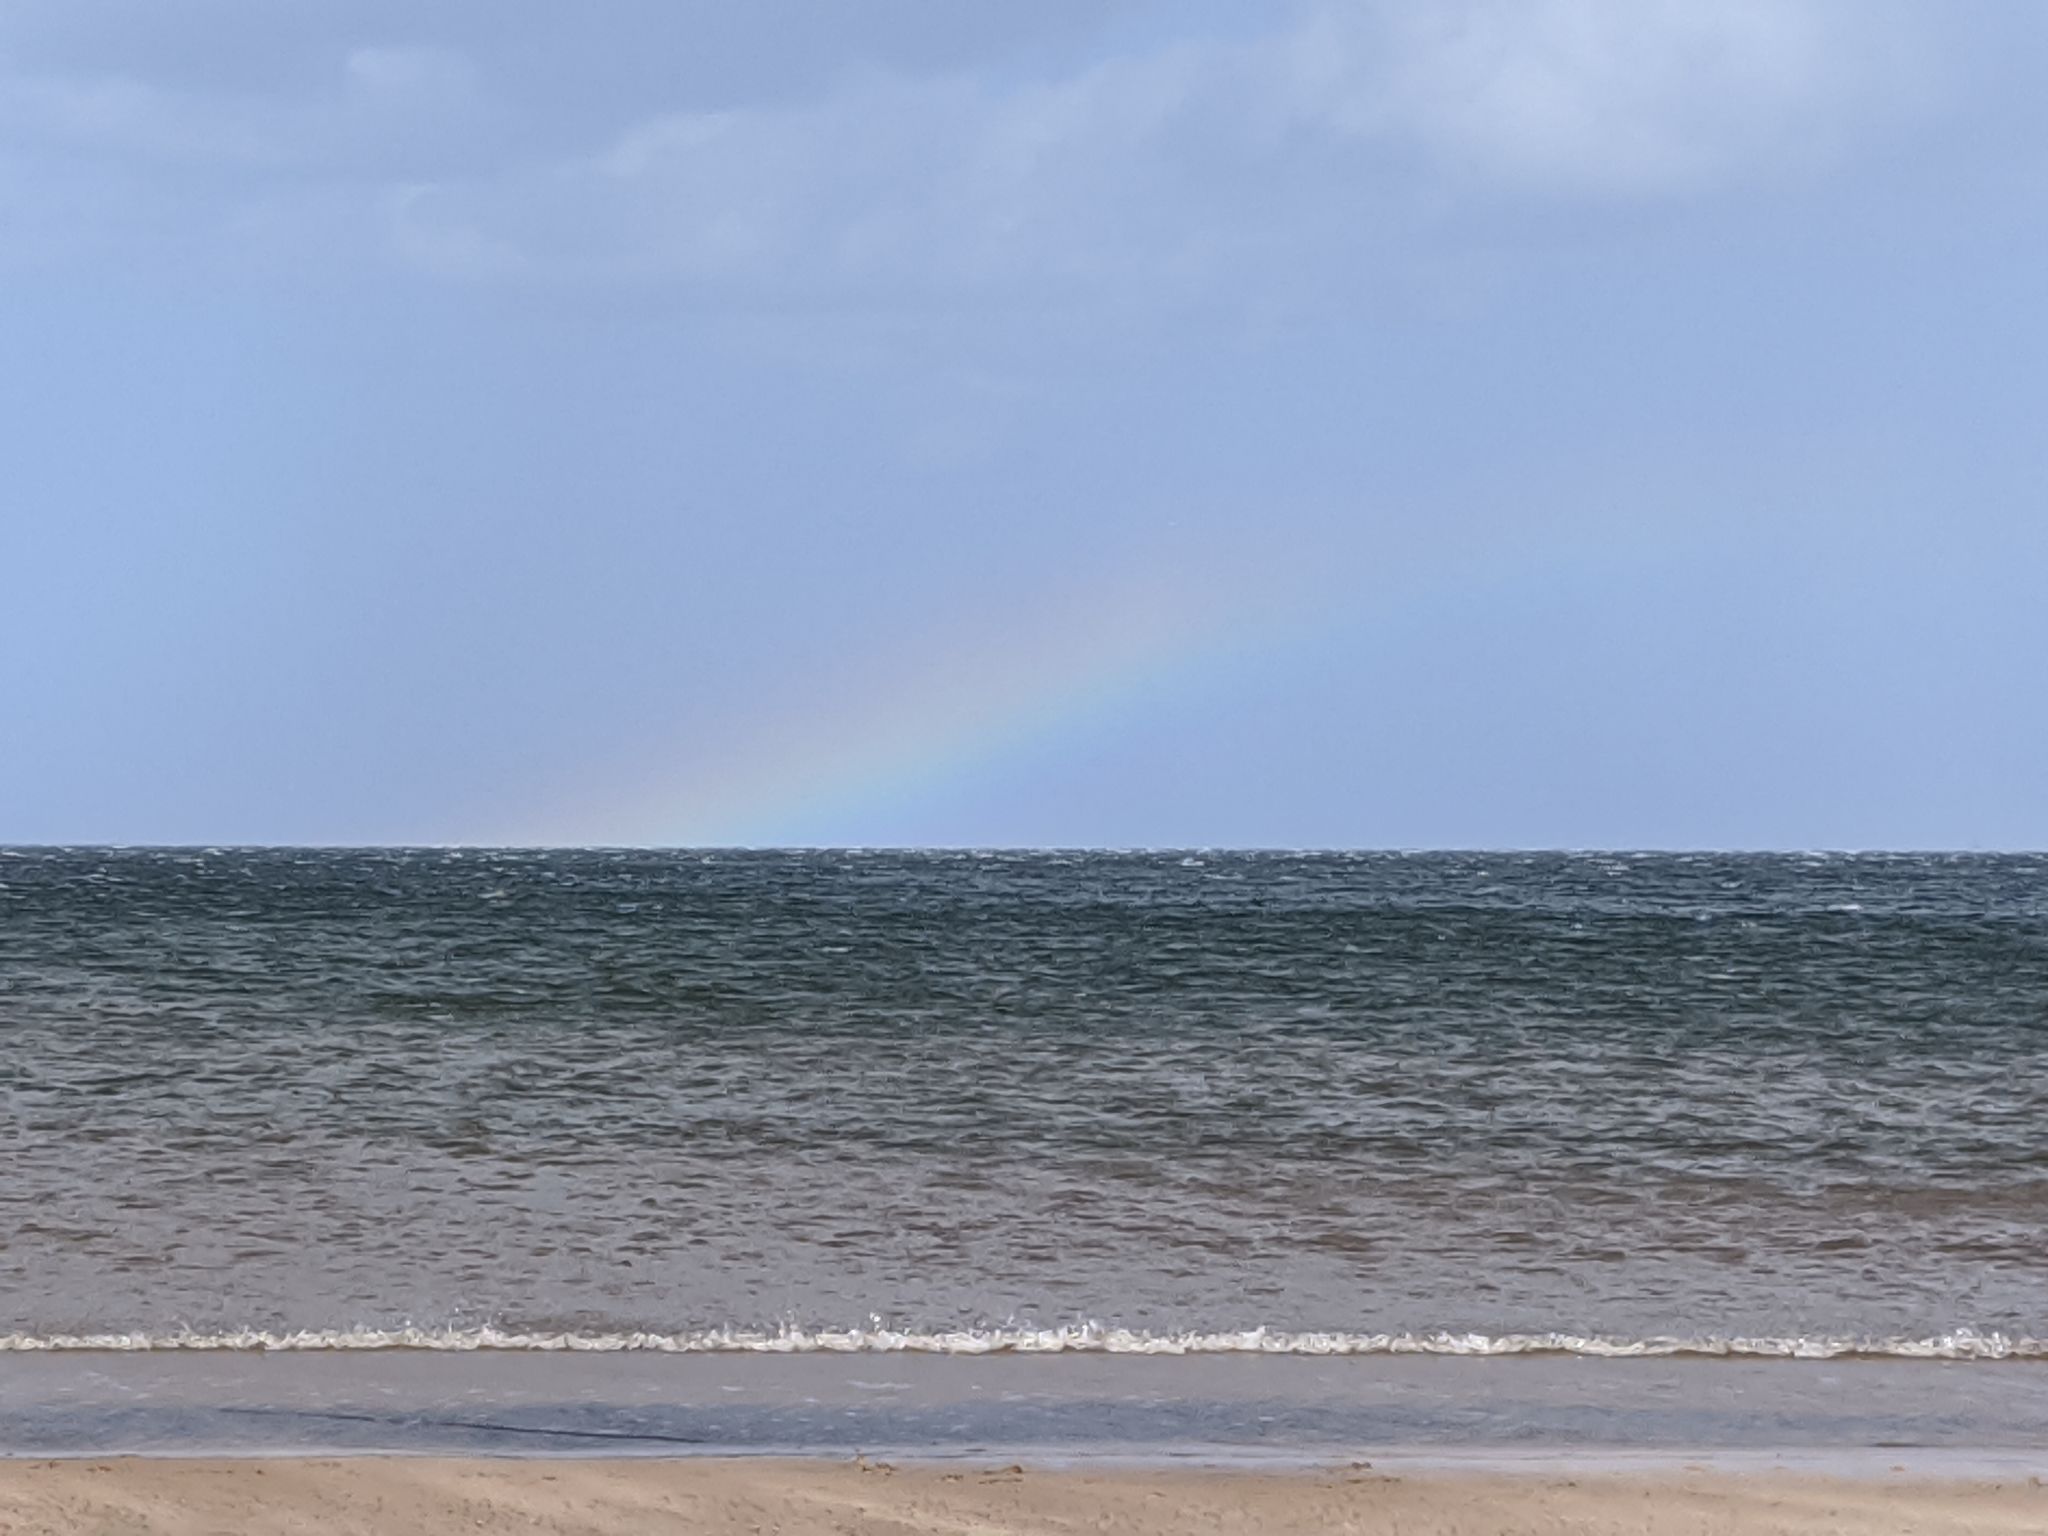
(965, 1151)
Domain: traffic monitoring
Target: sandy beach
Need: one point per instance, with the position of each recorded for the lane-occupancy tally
(399, 1496)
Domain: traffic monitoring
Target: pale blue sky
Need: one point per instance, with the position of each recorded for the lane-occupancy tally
(1482, 423)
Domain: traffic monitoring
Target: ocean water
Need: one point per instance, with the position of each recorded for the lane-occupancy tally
(1045, 1103)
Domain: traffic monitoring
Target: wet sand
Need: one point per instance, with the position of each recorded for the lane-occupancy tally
(423, 1496)
(1963, 1420)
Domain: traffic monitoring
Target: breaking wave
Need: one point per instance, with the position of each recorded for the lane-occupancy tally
(1086, 1338)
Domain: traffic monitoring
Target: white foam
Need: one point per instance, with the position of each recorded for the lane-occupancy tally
(1085, 1338)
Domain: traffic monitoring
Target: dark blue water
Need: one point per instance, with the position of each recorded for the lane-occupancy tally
(1119, 1101)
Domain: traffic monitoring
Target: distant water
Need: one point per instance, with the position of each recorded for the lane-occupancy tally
(1318, 1103)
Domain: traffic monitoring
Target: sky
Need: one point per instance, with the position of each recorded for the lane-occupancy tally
(1481, 423)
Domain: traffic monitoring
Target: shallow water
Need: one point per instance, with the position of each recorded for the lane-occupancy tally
(1937, 1416)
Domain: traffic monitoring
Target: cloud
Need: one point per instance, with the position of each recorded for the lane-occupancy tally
(1611, 96)
(1167, 166)
(376, 100)
(1162, 167)
(124, 166)
(941, 178)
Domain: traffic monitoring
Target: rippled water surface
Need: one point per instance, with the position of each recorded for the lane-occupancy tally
(1597, 1098)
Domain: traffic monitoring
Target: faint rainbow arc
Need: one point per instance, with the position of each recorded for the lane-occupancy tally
(966, 697)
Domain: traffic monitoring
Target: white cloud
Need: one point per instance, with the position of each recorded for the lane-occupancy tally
(1160, 168)
(1611, 96)
(120, 166)
(1164, 166)
(431, 73)
(378, 95)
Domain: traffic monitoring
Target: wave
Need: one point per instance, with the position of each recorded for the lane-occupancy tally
(1085, 1338)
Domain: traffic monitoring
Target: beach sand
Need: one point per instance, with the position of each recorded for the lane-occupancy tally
(403, 1496)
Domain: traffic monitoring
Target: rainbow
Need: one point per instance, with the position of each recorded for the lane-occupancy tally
(812, 767)
(895, 725)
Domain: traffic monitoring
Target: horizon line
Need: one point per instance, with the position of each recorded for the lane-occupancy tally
(1387, 849)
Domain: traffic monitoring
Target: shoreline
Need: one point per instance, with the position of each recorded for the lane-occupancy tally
(1844, 1464)
(427, 1495)
(1244, 1410)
